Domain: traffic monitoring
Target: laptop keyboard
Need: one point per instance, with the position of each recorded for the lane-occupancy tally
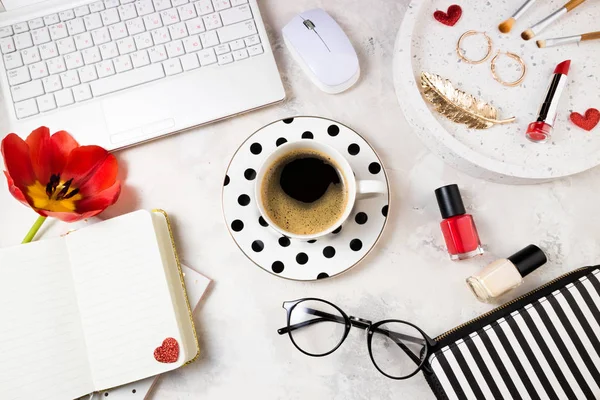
(78, 54)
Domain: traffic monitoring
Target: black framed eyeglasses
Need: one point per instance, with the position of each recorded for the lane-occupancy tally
(317, 328)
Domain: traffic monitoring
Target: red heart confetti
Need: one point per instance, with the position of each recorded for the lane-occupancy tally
(587, 122)
(449, 18)
(168, 352)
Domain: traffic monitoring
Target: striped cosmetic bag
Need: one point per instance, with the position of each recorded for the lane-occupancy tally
(543, 345)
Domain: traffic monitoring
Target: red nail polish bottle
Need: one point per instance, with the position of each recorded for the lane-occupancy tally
(458, 227)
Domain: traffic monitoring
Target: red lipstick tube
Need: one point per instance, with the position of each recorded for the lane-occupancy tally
(539, 131)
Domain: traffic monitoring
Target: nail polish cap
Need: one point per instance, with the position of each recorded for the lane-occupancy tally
(450, 201)
(528, 260)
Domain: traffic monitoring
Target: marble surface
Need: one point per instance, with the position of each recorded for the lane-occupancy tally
(408, 276)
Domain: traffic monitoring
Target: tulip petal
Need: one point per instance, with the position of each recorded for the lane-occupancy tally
(40, 153)
(17, 161)
(104, 177)
(82, 163)
(62, 145)
(67, 216)
(15, 191)
(100, 200)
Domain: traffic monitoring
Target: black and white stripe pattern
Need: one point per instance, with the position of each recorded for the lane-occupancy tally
(549, 349)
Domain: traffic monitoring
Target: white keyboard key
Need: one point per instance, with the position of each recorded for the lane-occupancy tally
(237, 44)
(161, 36)
(204, 7)
(111, 3)
(66, 45)
(88, 74)
(236, 31)
(38, 70)
(207, 57)
(140, 58)
(174, 49)
(236, 14)
(127, 79)
(81, 11)
(209, 39)
(127, 11)
(252, 40)
(178, 31)
(6, 31)
(192, 44)
(64, 97)
(18, 75)
(58, 31)
(160, 5)
(240, 54)
(74, 60)
(46, 102)
(225, 59)
(157, 54)
(122, 64)
(238, 2)
(255, 50)
(126, 45)
(40, 36)
(177, 3)
(186, 12)
(27, 91)
(212, 21)
(110, 16)
(51, 19)
(189, 62)
(195, 26)
(101, 36)
(23, 41)
(144, 7)
(222, 49)
(169, 16)
(31, 56)
(221, 4)
(135, 26)
(36, 23)
(91, 55)
(7, 45)
(13, 60)
(97, 6)
(152, 21)
(118, 31)
(143, 41)
(109, 50)
(66, 15)
(82, 92)
(52, 83)
(105, 68)
(172, 67)
(26, 108)
(83, 41)
(48, 50)
(69, 78)
(56, 65)
(92, 21)
(75, 26)
(21, 27)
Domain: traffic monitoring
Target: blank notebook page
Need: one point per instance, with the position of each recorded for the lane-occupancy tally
(124, 300)
(41, 339)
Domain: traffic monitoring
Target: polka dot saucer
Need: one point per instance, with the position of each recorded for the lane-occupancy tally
(293, 259)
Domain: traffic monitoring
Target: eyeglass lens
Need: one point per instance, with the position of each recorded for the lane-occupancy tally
(317, 328)
(397, 349)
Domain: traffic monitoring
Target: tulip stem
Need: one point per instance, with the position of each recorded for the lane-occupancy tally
(34, 229)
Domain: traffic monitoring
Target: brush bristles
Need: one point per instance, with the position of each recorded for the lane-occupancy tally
(528, 34)
(507, 25)
(541, 44)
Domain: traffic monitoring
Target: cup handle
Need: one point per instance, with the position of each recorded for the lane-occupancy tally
(366, 189)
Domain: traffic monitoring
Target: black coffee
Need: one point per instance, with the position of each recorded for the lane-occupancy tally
(303, 192)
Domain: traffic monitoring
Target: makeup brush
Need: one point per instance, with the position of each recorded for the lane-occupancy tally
(567, 39)
(543, 24)
(507, 25)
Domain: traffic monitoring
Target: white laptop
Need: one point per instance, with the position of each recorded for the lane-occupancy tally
(119, 72)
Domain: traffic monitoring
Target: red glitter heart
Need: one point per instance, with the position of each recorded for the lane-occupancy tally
(587, 122)
(451, 17)
(168, 352)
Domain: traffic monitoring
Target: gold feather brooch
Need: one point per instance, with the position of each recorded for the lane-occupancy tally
(457, 105)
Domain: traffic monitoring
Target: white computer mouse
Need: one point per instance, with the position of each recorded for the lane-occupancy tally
(323, 50)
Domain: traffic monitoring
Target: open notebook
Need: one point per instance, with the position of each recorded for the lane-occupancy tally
(85, 312)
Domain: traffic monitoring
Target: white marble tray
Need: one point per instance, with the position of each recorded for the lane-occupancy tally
(501, 153)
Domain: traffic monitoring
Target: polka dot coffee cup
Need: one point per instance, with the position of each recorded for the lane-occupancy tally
(354, 188)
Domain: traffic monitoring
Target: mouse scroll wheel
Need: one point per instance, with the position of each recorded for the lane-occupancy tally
(309, 24)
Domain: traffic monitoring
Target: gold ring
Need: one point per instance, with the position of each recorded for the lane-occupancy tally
(517, 59)
(471, 33)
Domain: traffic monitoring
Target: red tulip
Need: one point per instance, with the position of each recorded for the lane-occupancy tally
(57, 177)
